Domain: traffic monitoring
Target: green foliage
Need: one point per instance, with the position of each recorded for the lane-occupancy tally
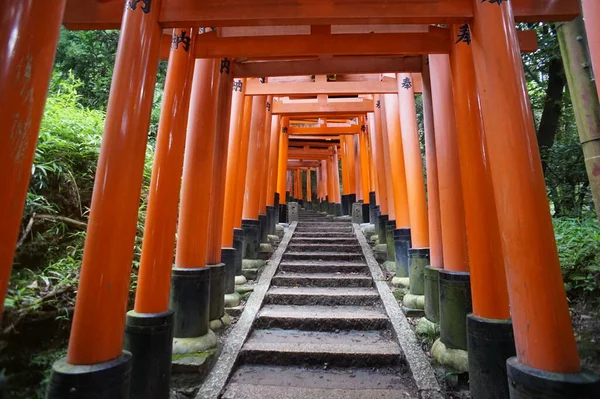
(578, 244)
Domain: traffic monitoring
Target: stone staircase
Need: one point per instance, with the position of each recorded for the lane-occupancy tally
(322, 331)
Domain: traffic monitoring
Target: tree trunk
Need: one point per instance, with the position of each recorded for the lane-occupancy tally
(573, 47)
(553, 105)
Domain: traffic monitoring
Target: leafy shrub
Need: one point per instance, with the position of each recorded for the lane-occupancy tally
(578, 242)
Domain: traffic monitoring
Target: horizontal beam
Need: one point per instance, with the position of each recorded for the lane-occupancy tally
(329, 66)
(255, 88)
(436, 41)
(107, 14)
(314, 144)
(330, 108)
(323, 131)
(303, 164)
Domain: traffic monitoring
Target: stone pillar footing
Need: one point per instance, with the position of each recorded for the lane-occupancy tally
(456, 359)
(190, 300)
(455, 305)
(149, 338)
(401, 241)
(490, 343)
(528, 383)
(217, 291)
(432, 294)
(182, 346)
(110, 379)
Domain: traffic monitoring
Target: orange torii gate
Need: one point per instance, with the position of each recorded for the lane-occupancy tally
(509, 178)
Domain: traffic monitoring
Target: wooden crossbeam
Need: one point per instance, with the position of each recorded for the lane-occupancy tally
(295, 164)
(436, 41)
(323, 131)
(329, 66)
(255, 88)
(107, 14)
(349, 108)
(317, 144)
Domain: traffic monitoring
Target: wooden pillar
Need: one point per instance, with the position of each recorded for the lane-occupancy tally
(219, 175)
(255, 158)
(415, 185)
(336, 176)
(387, 159)
(379, 158)
(591, 17)
(240, 188)
(389, 107)
(274, 151)
(436, 257)
(350, 163)
(331, 180)
(154, 278)
(345, 166)
(99, 320)
(324, 180)
(365, 164)
(308, 186)
(265, 146)
(282, 160)
(234, 160)
(452, 214)
(28, 38)
(357, 168)
(543, 333)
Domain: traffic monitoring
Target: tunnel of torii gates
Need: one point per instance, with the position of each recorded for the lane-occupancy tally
(272, 93)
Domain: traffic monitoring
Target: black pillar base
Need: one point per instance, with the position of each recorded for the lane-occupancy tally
(366, 213)
(251, 229)
(263, 230)
(418, 259)
(271, 219)
(337, 210)
(432, 294)
(238, 244)
(528, 383)
(455, 305)
(287, 196)
(109, 380)
(372, 205)
(377, 213)
(229, 257)
(351, 200)
(331, 208)
(382, 228)
(149, 338)
(402, 243)
(283, 213)
(345, 204)
(490, 343)
(217, 291)
(190, 300)
(390, 226)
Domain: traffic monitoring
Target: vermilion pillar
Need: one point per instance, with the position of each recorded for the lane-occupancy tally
(264, 165)
(243, 161)
(98, 324)
(591, 17)
(378, 157)
(282, 161)
(490, 333)
(190, 287)
(543, 333)
(99, 321)
(385, 153)
(397, 170)
(415, 185)
(336, 178)
(29, 33)
(308, 186)
(149, 328)
(365, 164)
(357, 165)
(255, 152)
(234, 160)
(324, 181)
(450, 188)
(274, 150)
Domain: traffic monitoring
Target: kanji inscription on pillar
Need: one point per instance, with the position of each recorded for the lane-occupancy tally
(406, 83)
(182, 39)
(464, 34)
(132, 5)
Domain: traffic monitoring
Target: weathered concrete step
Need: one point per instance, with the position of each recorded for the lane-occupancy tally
(344, 248)
(323, 267)
(323, 234)
(329, 256)
(321, 318)
(340, 348)
(324, 240)
(298, 382)
(321, 280)
(322, 296)
(328, 226)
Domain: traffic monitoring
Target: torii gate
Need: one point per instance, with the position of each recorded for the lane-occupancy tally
(226, 142)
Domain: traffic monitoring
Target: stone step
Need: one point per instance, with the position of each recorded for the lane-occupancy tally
(328, 226)
(314, 247)
(323, 267)
(298, 382)
(329, 256)
(322, 296)
(339, 348)
(321, 318)
(321, 280)
(324, 240)
(323, 234)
